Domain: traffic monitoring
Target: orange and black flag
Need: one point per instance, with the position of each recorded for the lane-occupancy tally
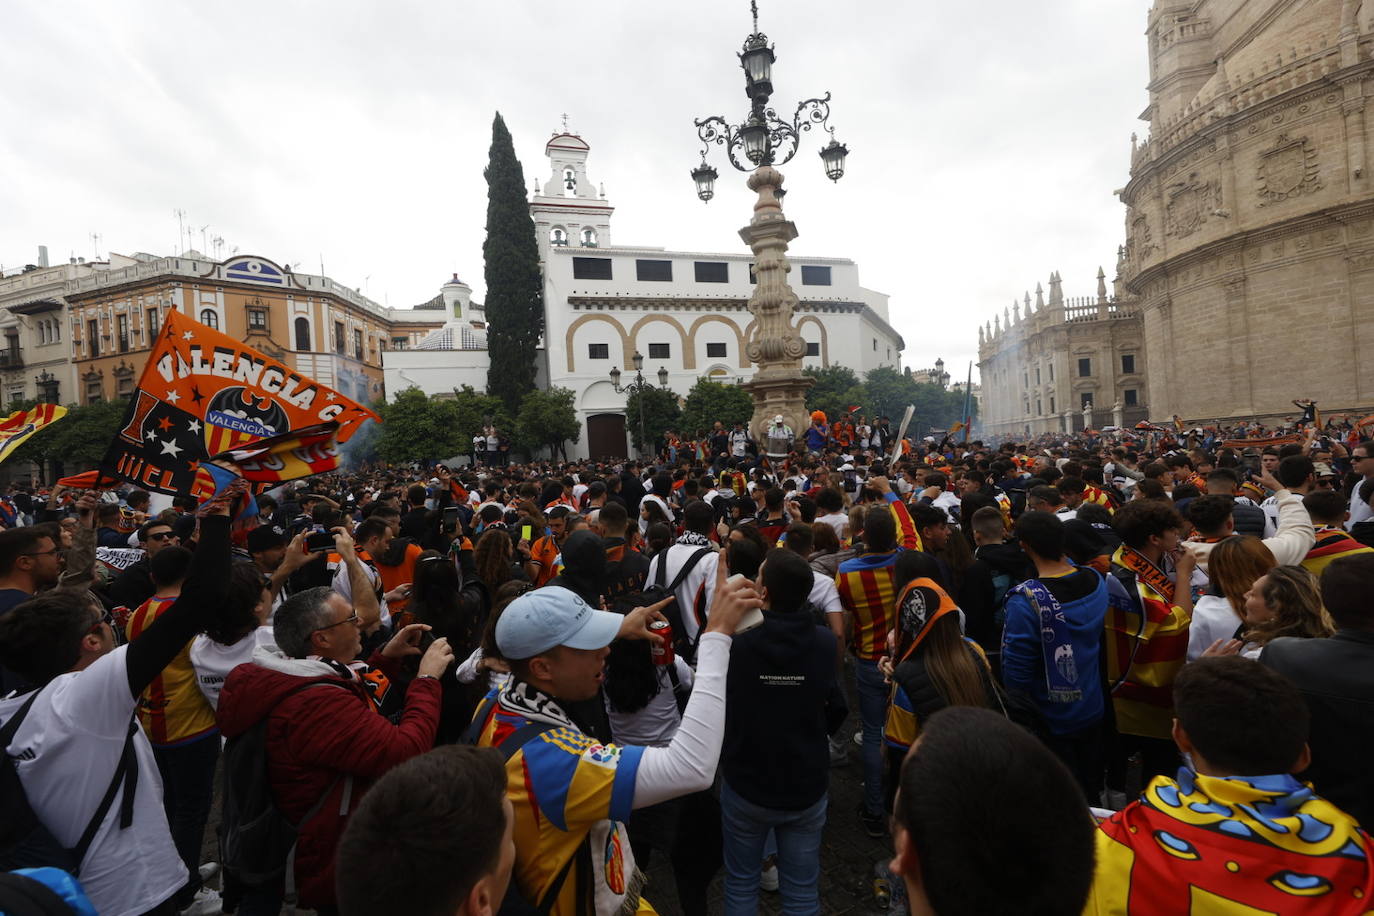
(204, 393)
(18, 426)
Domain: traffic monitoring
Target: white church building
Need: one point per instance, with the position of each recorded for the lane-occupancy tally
(685, 312)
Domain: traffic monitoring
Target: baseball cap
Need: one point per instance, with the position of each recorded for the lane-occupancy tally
(553, 616)
(1322, 469)
(265, 537)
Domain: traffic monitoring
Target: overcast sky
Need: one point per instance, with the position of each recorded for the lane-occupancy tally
(985, 145)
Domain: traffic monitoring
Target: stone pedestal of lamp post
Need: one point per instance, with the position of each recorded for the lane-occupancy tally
(775, 346)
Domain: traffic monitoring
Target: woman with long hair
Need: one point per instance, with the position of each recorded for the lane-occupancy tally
(932, 665)
(1284, 602)
(494, 559)
(453, 606)
(652, 513)
(1233, 566)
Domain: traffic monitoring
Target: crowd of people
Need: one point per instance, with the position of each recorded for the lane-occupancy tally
(1092, 675)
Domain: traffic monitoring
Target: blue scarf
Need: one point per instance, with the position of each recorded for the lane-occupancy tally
(1061, 671)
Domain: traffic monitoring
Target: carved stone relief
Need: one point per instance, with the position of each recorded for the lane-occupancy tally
(1288, 170)
(1190, 205)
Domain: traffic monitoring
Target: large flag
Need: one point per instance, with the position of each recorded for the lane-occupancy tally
(290, 456)
(21, 424)
(203, 393)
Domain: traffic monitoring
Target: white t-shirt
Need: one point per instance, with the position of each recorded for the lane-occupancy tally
(701, 580)
(657, 723)
(950, 504)
(342, 585)
(824, 594)
(1213, 619)
(1359, 509)
(667, 511)
(837, 520)
(213, 661)
(65, 753)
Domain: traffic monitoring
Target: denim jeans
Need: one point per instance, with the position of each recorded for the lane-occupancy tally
(188, 789)
(745, 826)
(873, 694)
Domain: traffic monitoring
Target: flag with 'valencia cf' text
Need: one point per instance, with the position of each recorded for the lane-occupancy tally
(204, 393)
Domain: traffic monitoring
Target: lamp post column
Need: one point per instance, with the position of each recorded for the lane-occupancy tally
(775, 347)
(639, 383)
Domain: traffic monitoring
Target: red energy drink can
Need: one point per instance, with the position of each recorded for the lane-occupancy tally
(662, 651)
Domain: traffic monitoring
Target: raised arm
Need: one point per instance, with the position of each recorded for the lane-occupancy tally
(199, 602)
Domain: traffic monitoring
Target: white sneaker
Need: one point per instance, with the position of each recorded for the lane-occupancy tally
(839, 754)
(768, 877)
(209, 870)
(859, 738)
(207, 903)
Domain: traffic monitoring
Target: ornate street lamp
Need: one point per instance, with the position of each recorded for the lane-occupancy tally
(638, 386)
(757, 144)
(763, 138)
(705, 178)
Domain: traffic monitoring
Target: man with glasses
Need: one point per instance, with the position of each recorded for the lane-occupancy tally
(28, 562)
(326, 745)
(1362, 463)
(134, 585)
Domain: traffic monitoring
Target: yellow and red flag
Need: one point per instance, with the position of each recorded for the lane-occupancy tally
(291, 456)
(18, 426)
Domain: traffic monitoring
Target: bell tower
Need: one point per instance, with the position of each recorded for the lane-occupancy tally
(569, 211)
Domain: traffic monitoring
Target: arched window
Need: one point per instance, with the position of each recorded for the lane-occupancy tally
(569, 183)
(302, 334)
(589, 237)
(558, 236)
(209, 318)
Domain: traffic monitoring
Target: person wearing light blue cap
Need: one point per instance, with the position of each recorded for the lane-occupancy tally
(571, 794)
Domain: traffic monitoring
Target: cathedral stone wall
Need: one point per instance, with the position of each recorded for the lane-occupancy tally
(1250, 208)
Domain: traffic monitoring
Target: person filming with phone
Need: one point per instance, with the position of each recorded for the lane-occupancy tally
(572, 794)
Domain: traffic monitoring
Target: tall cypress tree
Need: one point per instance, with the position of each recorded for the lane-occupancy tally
(515, 289)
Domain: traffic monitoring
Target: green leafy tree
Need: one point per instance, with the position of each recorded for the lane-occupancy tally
(661, 412)
(547, 419)
(710, 401)
(79, 440)
(889, 392)
(836, 390)
(515, 292)
(416, 427)
(471, 411)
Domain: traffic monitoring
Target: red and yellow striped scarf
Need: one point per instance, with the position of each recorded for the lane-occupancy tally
(1146, 571)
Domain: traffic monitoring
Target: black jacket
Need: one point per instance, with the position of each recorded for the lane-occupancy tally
(782, 700)
(413, 524)
(132, 587)
(1336, 676)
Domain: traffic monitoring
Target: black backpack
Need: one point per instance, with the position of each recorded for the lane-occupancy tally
(657, 591)
(24, 841)
(257, 844)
